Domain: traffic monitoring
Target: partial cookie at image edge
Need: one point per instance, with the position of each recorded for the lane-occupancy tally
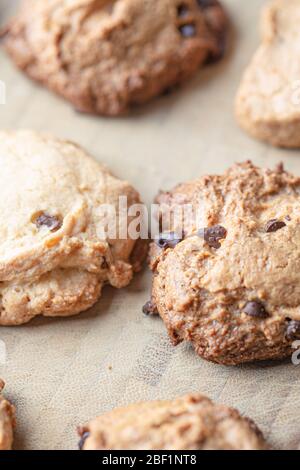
(192, 422)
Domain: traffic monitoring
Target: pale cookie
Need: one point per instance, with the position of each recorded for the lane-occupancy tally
(55, 256)
(231, 284)
(7, 421)
(192, 422)
(268, 100)
(106, 56)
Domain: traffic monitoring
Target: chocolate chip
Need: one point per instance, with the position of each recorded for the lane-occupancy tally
(219, 52)
(188, 30)
(150, 309)
(279, 168)
(293, 330)
(83, 438)
(182, 10)
(255, 309)
(213, 235)
(273, 225)
(167, 91)
(206, 3)
(46, 220)
(168, 240)
(104, 264)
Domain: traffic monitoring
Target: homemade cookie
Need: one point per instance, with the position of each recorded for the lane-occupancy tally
(192, 422)
(231, 284)
(54, 258)
(108, 55)
(268, 101)
(7, 421)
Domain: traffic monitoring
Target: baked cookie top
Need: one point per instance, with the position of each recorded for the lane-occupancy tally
(192, 422)
(7, 421)
(231, 283)
(54, 254)
(268, 100)
(107, 55)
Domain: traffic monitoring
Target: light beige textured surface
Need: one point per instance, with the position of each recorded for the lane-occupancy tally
(63, 372)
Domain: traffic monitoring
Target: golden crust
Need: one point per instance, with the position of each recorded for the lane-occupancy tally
(204, 293)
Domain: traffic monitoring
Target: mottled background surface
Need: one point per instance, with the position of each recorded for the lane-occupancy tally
(60, 373)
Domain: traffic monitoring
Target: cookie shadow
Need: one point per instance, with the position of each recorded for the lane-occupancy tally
(102, 307)
(268, 364)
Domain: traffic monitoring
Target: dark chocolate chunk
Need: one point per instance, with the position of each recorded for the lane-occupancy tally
(219, 52)
(279, 168)
(188, 30)
(273, 225)
(4, 32)
(104, 264)
(168, 240)
(168, 91)
(206, 3)
(150, 309)
(50, 221)
(255, 309)
(182, 10)
(83, 438)
(213, 235)
(293, 330)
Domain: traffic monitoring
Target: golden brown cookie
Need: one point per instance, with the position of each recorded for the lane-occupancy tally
(55, 254)
(231, 283)
(192, 422)
(268, 100)
(7, 421)
(106, 56)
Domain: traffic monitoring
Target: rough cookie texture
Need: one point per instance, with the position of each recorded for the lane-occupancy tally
(268, 101)
(108, 55)
(192, 422)
(7, 421)
(54, 258)
(232, 285)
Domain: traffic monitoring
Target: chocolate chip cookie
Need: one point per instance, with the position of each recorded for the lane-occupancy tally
(55, 251)
(268, 101)
(7, 421)
(230, 284)
(106, 56)
(192, 422)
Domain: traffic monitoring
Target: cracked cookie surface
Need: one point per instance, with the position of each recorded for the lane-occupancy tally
(7, 421)
(267, 103)
(106, 56)
(192, 422)
(54, 256)
(230, 286)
